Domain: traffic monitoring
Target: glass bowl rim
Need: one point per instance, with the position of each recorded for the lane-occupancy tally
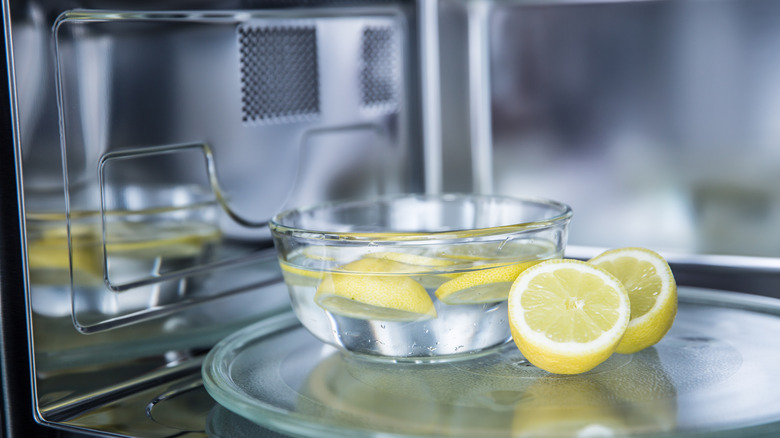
(277, 228)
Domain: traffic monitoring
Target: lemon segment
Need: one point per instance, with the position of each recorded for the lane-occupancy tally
(363, 292)
(567, 316)
(296, 276)
(488, 285)
(651, 289)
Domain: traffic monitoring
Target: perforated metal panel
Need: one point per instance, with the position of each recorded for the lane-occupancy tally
(279, 73)
(380, 67)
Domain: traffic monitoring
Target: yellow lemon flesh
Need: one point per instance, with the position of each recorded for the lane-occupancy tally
(368, 289)
(490, 282)
(487, 285)
(651, 289)
(567, 316)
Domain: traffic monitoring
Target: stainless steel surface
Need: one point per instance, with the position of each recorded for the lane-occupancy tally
(154, 142)
(655, 120)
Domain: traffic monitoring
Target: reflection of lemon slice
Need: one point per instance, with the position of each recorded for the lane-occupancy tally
(567, 316)
(487, 285)
(330, 253)
(145, 241)
(319, 253)
(519, 249)
(571, 406)
(363, 292)
(412, 259)
(651, 289)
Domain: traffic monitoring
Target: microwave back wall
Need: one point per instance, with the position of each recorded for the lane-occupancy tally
(148, 144)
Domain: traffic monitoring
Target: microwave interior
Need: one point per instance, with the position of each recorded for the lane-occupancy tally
(153, 142)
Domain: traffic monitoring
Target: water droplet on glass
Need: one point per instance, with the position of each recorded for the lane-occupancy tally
(491, 307)
(522, 363)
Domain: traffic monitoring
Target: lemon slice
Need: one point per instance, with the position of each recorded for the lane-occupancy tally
(567, 316)
(307, 266)
(488, 285)
(363, 292)
(651, 289)
(298, 276)
(428, 269)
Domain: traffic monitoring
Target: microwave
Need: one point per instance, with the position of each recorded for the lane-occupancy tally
(146, 145)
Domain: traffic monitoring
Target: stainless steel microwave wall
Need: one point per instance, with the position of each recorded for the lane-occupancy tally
(152, 145)
(146, 144)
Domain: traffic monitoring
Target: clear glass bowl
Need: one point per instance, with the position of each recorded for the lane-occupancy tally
(413, 277)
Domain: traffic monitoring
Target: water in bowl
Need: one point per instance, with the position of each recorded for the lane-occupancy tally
(420, 303)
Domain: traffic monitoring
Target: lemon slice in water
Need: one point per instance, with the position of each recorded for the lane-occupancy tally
(368, 289)
(427, 270)
(487, 285)
(567, 316)
(651, 289)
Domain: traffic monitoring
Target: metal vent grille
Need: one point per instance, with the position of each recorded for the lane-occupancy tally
(380, 71)
(279, 73)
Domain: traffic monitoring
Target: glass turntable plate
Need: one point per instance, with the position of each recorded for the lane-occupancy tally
(716, 373)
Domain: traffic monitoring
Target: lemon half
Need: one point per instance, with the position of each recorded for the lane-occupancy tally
(652, 291)
(567, 316)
